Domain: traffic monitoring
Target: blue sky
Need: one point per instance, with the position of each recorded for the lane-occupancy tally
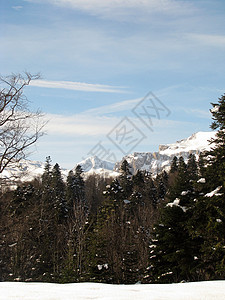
(99, 59)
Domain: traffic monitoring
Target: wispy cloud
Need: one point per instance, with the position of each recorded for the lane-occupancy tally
(17, 7)
(79, 125)
(77, 86)
(208, 39)
(123, 8)
(121, 106)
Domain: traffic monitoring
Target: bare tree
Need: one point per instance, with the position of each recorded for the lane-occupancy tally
(19, 127)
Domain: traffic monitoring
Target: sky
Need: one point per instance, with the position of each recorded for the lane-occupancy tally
(117, 76)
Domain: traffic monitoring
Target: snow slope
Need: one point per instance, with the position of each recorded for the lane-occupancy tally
(208, 290)
(94, 165)
(26, 170)
(196, 142)
(155, 162)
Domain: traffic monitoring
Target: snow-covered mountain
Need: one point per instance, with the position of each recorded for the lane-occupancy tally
(155, 162)
(25, 170)
(94, 165)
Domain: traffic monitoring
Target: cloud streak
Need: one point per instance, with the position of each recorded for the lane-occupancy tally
(79, 125)
(123, 8)
(208, 39)
(77, 86)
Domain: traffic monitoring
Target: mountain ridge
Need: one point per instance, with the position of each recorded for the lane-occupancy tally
(153, 162)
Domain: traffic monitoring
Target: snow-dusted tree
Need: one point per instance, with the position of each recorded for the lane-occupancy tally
(125, 179)
(217, 155)
(70, 189)
(58, 193)
(174, 165)
(79, 186)
(19, 127)
(209, 212)
(192, 167)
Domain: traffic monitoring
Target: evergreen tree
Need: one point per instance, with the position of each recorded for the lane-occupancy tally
(150, 190)
(217, 155)
(174, 165)
(46, 176)
(181, 181)
(174, 249)
(192, 167)
(79, 186)
(125, 179)
(58, 193)
(209, 211)
(162, 184)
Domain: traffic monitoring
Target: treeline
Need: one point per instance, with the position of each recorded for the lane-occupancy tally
(73, 230)
(134, 228)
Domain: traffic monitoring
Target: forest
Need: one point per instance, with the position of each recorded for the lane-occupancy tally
(135, 228)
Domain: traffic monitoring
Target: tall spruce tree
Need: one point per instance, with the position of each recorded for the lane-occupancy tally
(79, 186)
(58, 193)
(174, 250)
(125, 179)
(174, 165)
(209, 212)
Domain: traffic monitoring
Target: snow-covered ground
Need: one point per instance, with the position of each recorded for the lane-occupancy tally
(207, 290)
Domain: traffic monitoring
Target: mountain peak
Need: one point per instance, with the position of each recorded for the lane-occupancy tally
(153, 162)
(198, 141)
(94, 165)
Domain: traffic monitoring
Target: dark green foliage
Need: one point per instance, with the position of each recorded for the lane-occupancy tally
(192, 167)
(217, 155)
(174, 165)
(57, 187)
(125, 179)
(162, 184)
(124, 230)
(172, 251)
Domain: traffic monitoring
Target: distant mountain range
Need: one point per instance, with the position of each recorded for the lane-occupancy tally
(153, 162)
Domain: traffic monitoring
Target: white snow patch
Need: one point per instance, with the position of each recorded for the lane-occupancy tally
(215, 109)
(126, 201)
(184, 193)
(214, 193)
(219, 220)
(198, 141)
(176, 202)
(94, 165)
(208, 290)
(201, 180)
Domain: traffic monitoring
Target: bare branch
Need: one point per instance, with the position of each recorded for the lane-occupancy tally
(19, 127)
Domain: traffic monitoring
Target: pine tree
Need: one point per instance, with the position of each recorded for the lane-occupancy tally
(162, 184)
(174, 249)
(174, 165)
(217, 155)
(209, 211)
(181, 181)
(58, 193)
(125, 179)
(192, 167)
(70, 190)
(79, 186)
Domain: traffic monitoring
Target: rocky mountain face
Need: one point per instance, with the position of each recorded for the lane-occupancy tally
(94, 165)
(153, 162)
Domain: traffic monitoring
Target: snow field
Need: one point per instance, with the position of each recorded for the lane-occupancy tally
(208, 290)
